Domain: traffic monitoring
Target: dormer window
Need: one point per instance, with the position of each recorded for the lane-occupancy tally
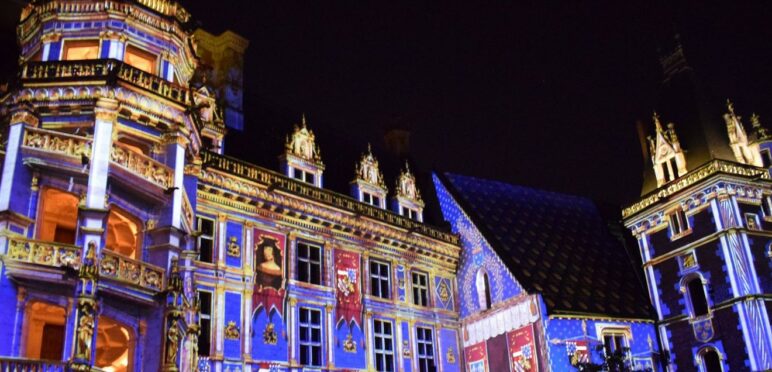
(301, 158)
(371, 199)
(666, 153)
(304, 176)
(368, 186)
(766, 158)
(679, 223)
(409, 213)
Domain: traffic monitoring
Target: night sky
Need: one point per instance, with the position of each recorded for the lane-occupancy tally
(538, 95)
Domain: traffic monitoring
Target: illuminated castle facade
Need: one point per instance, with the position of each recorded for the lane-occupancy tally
(702, 226)
(131, 243)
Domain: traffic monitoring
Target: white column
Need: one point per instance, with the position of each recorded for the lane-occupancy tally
(220, 320)
(222, 222)
(15, 135)
(291, 330)
(330, 337)
(106, 114)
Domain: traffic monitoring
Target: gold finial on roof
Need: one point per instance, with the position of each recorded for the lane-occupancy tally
(657, 124)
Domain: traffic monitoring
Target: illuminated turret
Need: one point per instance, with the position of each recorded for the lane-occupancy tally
(407, 201)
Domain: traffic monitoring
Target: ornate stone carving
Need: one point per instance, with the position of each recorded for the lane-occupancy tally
(172, 343)
(85, 330)
(269, 334)
(234, 249)
(738, 139)
(302, 143)
(406, 187)
(349, 345)
(232, 331)
(55, 142)
(142, 165)
(367, 170)
(450, 356)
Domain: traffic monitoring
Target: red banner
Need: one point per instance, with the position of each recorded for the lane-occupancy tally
(522, 349)
(348, 287)
(475, 357)
(269, 271)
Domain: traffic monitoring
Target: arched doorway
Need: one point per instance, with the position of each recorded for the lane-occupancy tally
(115, 345)
(711, 360)
(44, 331)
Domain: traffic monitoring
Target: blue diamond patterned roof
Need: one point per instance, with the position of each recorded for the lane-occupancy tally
(554, 244)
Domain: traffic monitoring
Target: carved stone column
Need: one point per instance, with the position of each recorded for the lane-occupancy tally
(83, 350)
(15, 184)
(173, 317)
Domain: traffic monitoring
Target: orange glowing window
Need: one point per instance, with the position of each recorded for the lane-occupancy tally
(80, 49)
(58, 216)
(114, 346)
(124, 233)
(140, 59)
(44, 331)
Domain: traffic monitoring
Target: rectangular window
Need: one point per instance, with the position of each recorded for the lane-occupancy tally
(672, 167)
(410, 213)
(304, 176)
(383, 336)
(205, 239)
(75, 50)
(204, 339)
(766, 158)
(766, 206)
(380, 279)
(678, 223)
(752, 221)
(309, 263)
(420, 289)
(310, 336)
(614, 341)
(371, 199)
(425, 343)
(140, 59)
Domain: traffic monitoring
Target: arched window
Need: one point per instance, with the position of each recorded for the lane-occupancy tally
(483, 290)
(697, 298)
(114, 346)
(44, 331)
(124, 233)
(710, 360)
(58, 216)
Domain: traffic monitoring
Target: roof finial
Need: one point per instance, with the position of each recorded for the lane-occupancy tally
(369, 150)
(730, 106)
(303, 120)
(657, 124)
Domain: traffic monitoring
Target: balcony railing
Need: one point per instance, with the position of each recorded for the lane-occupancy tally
(106, 70)
(56, 142)
(43, 253)
(30, 365)
(142, 165)
(130, 271)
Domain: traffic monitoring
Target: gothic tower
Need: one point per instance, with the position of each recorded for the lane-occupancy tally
(702, 225)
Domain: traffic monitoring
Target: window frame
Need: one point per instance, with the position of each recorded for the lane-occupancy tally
(429, 353)
(63, 48)
(202, 351)
(766, 207)
(309, 343)
(211, 237)
(766, 158)
(307, 260)
(419, 287)
(748, 217)
(685, 281)
(380, 278)
(679, 216)
(156, 58)
(383, 351)
(303, 175)
(701, 357)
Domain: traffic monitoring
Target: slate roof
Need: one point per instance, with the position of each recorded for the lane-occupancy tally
(554, 244)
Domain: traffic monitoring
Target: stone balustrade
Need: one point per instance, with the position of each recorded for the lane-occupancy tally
(43, 253)
(142, 165)
(56, 142)
(126, 270)
(106, 71)
(8, 364)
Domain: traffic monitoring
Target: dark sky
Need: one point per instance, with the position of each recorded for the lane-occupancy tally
(533, 94)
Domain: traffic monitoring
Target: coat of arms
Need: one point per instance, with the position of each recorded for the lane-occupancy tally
(347, 279)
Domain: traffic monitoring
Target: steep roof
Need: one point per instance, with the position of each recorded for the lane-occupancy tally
(554, 244)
